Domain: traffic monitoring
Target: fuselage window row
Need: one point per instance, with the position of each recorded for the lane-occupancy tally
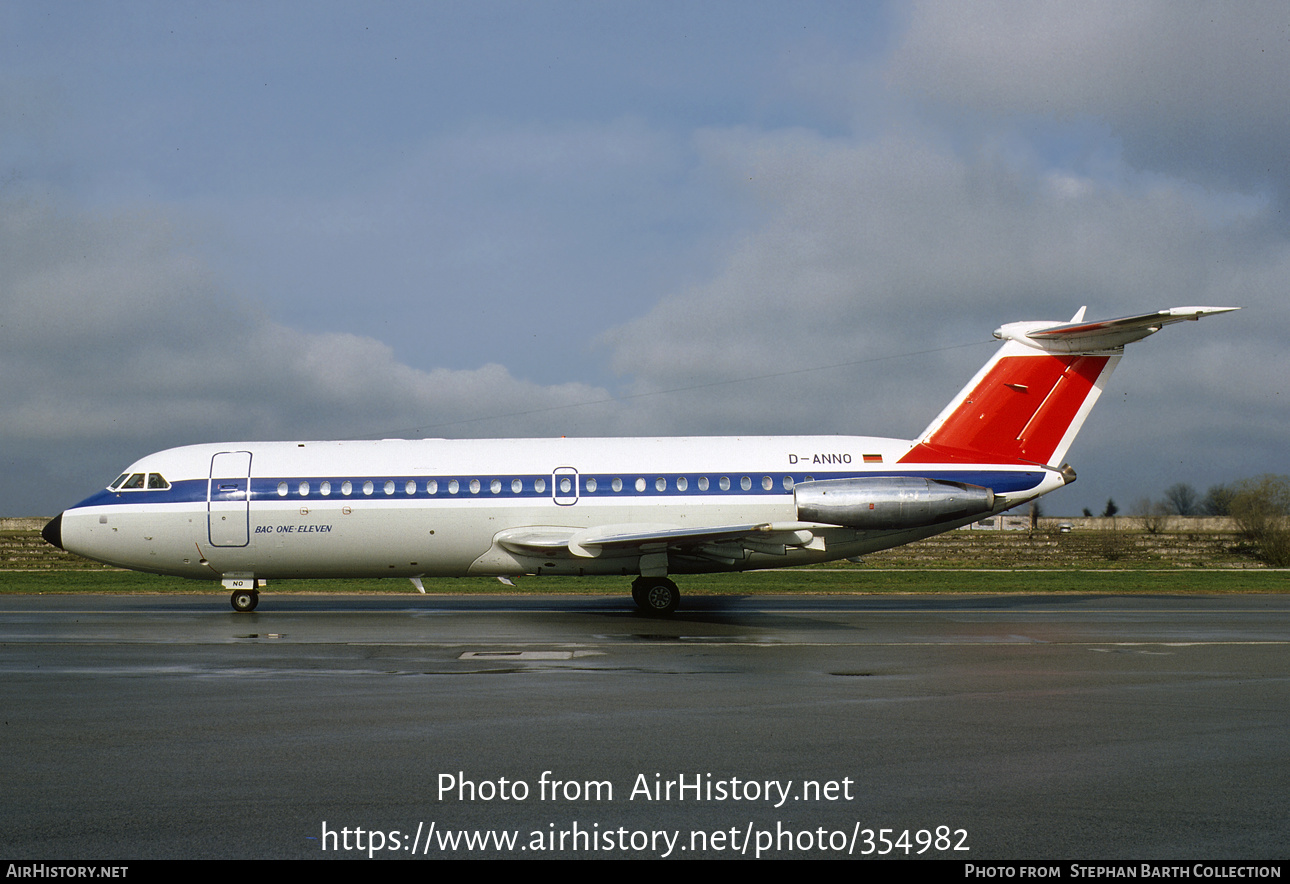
(565, 486)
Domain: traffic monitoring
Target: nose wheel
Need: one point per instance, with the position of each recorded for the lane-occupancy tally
(656, 596)
(244, 600)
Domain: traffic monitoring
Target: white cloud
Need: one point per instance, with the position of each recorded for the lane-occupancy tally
(117, 340)
(894, 246)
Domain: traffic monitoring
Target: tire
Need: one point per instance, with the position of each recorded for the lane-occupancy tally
(244, 600)
(656, 596)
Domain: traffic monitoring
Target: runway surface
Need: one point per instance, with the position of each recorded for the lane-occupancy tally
(1040, 727)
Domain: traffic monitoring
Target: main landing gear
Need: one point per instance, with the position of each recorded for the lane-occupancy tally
(656, 596)
(244, 600)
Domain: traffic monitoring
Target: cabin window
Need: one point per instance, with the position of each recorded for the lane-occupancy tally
(474, 486)
(303, 490)
(640, 484)
(389, 486)
(495, 486)
(410, 488)
(660, 484)
(682, 483)
(617, 484)
(724, 483)
(282, 489)
(368, 487)
(539, 486)
(591, 486)
(324, 489)
(703, 483)
(566, 486)
(346, 487)
(788, 483)
(516, 486)
(432, 487)
(454, 486)
(767, 483)
(745, 483)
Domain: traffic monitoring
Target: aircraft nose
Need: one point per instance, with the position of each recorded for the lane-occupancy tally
(53, 532)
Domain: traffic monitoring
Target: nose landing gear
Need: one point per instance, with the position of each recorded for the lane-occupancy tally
(245, 600)
(246, 592)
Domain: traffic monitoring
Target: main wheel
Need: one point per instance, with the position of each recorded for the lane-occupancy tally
(244, 600)
(655, 595)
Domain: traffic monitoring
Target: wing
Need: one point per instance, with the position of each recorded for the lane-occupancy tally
(721, 543)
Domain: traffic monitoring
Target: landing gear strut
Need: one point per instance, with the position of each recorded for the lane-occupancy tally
(245, 600)
(655, 595)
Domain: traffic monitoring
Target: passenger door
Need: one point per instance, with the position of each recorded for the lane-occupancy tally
(228, 499)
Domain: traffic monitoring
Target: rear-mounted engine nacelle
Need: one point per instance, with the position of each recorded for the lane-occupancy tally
(888, 503)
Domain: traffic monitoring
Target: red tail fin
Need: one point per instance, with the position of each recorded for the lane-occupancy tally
(1022, 407)
(1031, 399)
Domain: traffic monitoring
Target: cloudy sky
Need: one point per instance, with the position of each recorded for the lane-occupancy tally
(235, 221)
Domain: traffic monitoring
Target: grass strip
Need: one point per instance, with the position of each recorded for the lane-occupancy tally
(858, 580)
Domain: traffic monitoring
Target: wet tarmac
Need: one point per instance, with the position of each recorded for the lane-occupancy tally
(1018, 727)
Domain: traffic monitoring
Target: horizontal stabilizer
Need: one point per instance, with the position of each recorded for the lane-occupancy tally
(1078, 336)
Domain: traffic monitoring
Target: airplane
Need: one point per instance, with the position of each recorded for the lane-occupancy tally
(248, 512)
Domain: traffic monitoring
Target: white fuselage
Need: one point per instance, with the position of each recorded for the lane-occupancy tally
(434, 507)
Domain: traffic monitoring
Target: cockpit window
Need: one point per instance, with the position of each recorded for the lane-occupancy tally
(139, 481)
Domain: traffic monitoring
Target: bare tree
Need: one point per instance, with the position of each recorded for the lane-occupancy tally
(1218, 500)
(1154, 515)
(1182, 499)
(1261, 508)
